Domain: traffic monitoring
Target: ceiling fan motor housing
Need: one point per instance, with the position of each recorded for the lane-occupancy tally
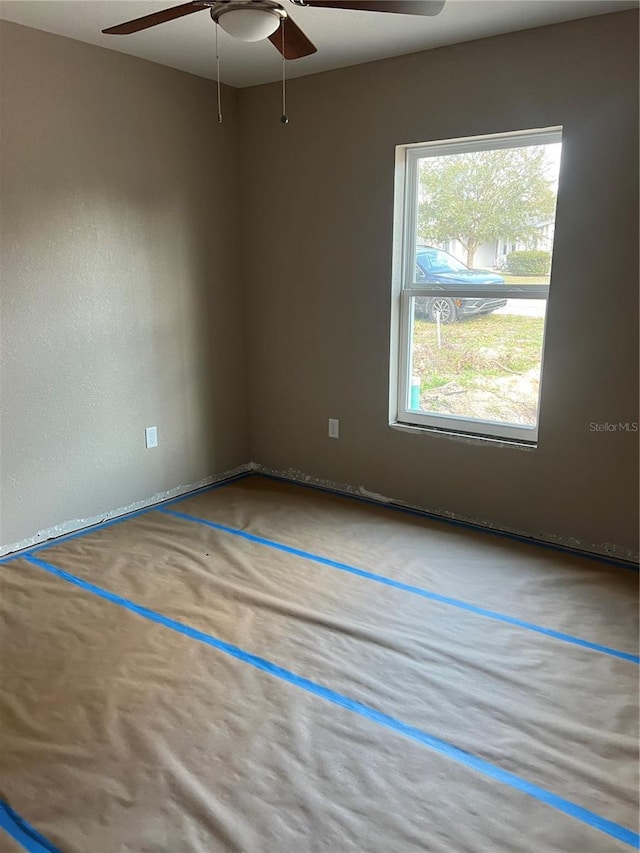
(248, 20)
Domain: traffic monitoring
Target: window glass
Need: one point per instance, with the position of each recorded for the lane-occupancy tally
(473, 314)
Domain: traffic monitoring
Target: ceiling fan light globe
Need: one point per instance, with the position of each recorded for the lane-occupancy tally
(249, 24)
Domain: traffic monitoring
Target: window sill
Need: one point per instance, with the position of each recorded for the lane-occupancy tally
(467, 438)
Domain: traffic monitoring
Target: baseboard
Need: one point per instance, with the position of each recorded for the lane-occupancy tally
(605, 552)
(77, 525)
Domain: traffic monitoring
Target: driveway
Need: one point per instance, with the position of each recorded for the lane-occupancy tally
(524, 307)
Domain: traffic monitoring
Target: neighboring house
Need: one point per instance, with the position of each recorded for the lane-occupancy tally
(492, 255)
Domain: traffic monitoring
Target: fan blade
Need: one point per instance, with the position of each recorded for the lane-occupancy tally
(154, 19)
(402, 7)
(296, 44)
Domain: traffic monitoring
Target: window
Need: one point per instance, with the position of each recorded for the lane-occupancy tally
(469, 338)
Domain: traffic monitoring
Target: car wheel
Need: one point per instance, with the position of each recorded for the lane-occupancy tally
(446, 307)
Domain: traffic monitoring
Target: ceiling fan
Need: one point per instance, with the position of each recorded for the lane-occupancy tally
(253, 20)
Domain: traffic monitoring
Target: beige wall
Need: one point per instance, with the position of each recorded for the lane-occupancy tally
(120, 299)
(317, 212)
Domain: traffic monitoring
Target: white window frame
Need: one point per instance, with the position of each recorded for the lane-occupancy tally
(405, 287)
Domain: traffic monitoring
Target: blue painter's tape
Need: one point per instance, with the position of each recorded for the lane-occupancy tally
(18, 828)
(86, 531)
(469, 760)
(414, 590)
(456, 522)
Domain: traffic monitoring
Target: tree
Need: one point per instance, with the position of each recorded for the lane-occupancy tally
(482, 196)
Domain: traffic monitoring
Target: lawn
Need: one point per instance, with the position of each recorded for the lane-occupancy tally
(486, 367)
(525, 279)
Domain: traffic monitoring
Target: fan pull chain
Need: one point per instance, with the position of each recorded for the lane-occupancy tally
(218, 78)
(284, 118)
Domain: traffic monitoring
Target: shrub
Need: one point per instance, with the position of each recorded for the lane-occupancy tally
(531, 262)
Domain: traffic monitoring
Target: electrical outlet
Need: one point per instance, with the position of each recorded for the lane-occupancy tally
(151, 437)
(334, 428)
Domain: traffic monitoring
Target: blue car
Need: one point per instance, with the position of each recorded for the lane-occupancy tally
(439, 268)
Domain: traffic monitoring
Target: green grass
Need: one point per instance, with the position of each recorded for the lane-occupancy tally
(494, 345)
(432, 382)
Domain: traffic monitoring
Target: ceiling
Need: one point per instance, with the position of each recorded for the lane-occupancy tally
(343, 37)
